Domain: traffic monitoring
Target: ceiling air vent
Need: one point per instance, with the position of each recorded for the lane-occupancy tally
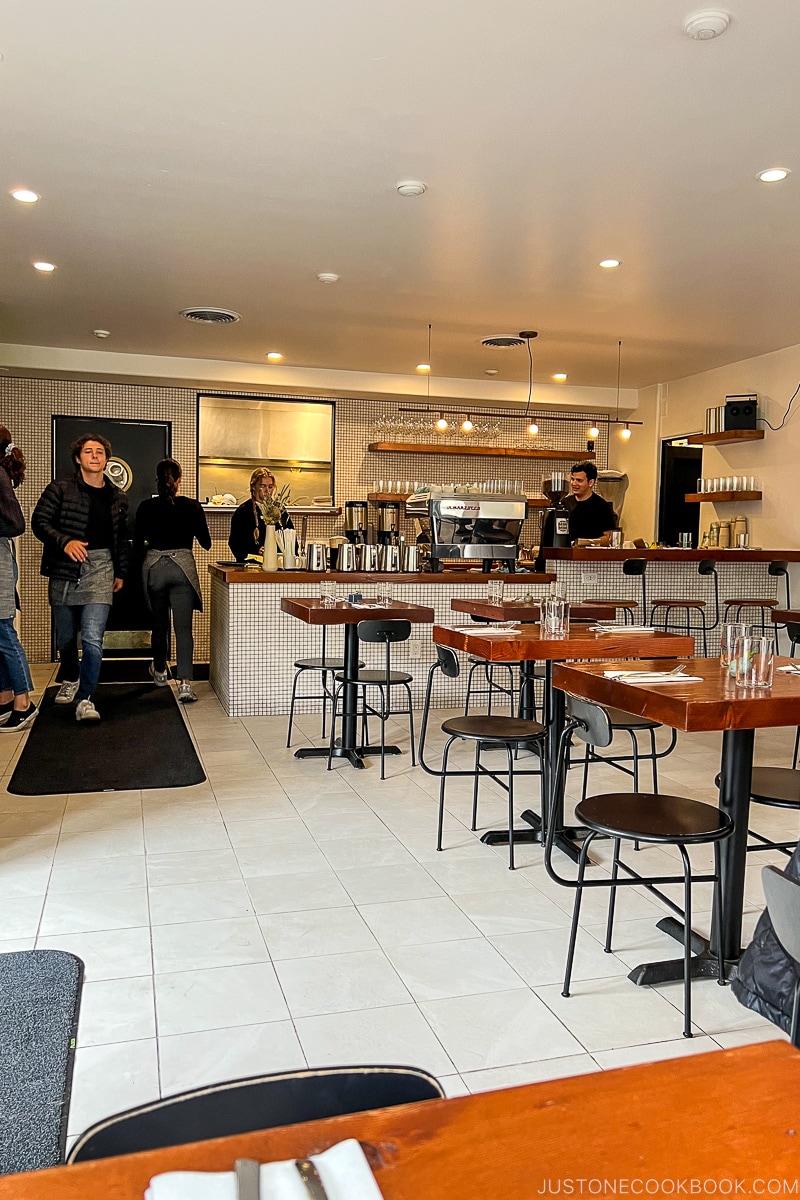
(502, 341)
(211, 316)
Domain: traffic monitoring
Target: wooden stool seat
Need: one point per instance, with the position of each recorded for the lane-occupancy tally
(679, 604)
(493, 729)
(750, 602)
(653, 817)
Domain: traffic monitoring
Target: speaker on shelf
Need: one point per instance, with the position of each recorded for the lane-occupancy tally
(741, 412)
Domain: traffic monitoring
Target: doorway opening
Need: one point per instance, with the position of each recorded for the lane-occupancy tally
(681, 467)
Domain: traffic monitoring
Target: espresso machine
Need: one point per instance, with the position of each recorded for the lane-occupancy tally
(475, 525)
(388, 522)
(355, 521)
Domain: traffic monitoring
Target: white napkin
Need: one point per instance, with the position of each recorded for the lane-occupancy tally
(625, 628)
(651, 677)
(344, 1171)
(790, 670)
(487, 630)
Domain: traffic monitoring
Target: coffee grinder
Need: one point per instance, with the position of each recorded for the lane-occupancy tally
(556, 517)
(388, 522)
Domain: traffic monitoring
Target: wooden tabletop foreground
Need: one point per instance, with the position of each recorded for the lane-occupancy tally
(733, 1115)
(527, 643)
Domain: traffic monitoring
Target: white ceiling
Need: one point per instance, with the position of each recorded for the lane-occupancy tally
(195, 153)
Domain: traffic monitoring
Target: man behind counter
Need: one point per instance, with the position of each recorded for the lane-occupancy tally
(591, 518)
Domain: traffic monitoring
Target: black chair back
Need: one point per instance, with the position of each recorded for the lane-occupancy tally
(244, 1105)
(447, 662)
(707, 566)
(384, 631)
(594, 724)
(634, 566)
(778, 568)
(782, 894)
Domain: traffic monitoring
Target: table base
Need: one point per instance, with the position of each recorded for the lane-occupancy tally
(354, 754)
(702, 965)
(565, 838)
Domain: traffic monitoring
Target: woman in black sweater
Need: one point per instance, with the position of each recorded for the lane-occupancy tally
(17, 710)
(248, 528)
(166, 526)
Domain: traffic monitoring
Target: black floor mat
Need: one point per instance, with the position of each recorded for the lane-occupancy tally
(140, 741)
(39, 999)
(137, 670)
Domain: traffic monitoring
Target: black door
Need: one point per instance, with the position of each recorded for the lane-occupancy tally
(681, 467)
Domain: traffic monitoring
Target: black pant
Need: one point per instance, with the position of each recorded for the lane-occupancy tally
(170, 592)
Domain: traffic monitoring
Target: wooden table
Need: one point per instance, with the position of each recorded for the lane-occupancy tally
(527, 645)
(312, 611)
(783, 615)
(730, 1115)
(716, 703)
(526, 611)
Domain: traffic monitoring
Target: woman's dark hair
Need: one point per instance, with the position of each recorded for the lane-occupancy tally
(79, 443)
(587, 468)
(168, 472)
(11, 458)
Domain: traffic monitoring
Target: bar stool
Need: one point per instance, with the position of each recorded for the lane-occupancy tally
(705, 568)
(493, 685)
(777, 569)
(658, 820)
(509, 733)
(635, 568)
(324, 666)
(385, 633)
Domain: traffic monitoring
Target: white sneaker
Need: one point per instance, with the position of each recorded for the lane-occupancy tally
(161, 677)
(186, 693)
(86, 711)
(66, 693)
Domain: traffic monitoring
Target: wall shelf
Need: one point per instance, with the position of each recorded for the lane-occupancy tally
(401, 497)
(726, 435)
(720, 497)
(481, 451)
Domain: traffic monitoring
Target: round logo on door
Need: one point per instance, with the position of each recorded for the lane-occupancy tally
(119, 473)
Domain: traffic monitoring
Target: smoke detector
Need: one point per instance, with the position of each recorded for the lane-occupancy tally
(411, 187)
(211, 316)
(708, 24)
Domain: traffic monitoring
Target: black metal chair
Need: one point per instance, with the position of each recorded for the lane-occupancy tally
(638, 817)
(782, 894)
(324, 666)
(634, 568)
(774, 787)
(486, 732)
(777, 570)
(493, 685)
(706, 568)
(384, 633)
(245, 1105)
(622, 722)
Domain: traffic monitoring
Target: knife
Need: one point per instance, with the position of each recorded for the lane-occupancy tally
(248, 1179)
(310, 1177)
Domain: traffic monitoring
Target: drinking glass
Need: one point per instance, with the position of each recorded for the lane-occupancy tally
(385, 592)
(494, 591)
(554, 617)
(701, 486)
(615, 539)
(327, 592)
(731, 632)
(754, 661)
(685, 541)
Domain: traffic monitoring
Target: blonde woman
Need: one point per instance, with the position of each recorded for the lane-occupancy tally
(248, 528)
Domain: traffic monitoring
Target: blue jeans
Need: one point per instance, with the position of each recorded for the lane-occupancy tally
(15, 674)
(90, 621)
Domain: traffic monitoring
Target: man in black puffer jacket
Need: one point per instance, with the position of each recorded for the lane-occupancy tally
(82, 523)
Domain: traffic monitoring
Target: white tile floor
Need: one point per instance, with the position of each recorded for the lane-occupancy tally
(280, 915)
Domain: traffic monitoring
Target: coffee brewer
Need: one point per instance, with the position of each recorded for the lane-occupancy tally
(355, 521)
(388, 522)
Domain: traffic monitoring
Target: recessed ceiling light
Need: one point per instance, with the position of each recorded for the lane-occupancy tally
(24, 195)
(101, 333)
(423, 367)
(274, 356)
(491, 371)
(560, 376)
(608, 263)
(327, 277)
(44, 266)
(411, 187)
(773, 175)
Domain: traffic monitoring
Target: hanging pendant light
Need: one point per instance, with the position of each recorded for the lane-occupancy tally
(624, 433)
(466, 425)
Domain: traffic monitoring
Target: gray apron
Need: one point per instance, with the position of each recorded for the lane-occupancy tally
(182, 558)
(9, 600)
(94, 585)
